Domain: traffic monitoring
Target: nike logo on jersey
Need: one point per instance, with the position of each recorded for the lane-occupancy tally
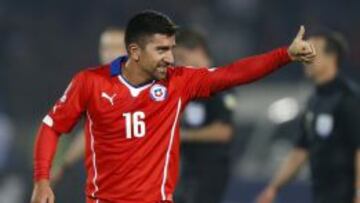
(109, 98)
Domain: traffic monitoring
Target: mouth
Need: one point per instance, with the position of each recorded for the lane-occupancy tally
(161, 69)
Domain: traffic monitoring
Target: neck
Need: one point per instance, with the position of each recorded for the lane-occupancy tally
(133, 74)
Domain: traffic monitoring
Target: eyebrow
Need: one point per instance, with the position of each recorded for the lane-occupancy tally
(165, 47)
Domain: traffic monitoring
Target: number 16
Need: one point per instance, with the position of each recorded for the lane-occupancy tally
(134, 124)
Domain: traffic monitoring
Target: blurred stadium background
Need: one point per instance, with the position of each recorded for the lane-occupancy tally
(43, 43)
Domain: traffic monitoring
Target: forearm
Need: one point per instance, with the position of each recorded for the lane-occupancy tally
(44, 151)
(214, 132)
(248, 70)
(289, 168)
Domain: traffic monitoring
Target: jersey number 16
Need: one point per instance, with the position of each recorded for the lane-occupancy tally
(134, 124)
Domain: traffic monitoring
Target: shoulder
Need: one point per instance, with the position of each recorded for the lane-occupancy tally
(176, 71)
(351, 88)
(351, 94)
(88, 77)
(180, 71)
(93, 74)
(99, 71)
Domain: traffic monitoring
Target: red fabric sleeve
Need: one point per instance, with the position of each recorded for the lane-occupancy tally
(44, 151)
(60, 119)
(71, 106)
(202, 82)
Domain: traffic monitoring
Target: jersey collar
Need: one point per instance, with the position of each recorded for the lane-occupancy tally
(115, 70)
(116, 65)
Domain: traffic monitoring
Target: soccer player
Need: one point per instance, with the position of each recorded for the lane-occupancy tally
(206, 131)
(132, 108)
(111, 46)
(330, 130)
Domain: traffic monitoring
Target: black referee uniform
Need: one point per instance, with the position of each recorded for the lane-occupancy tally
(331, 135)
(204, 165)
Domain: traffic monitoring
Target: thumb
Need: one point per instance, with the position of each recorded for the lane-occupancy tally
(301, 33)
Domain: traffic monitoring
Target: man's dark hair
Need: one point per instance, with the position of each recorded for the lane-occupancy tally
(191, 39)
(335, 43)
(147, 23)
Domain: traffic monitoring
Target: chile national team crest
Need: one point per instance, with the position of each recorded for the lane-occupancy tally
(158, 92)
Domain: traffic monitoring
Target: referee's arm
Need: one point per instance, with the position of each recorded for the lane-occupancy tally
(288, 168)
(295, 159)
(220, 129)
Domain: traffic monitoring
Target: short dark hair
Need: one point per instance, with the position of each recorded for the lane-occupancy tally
(191, 39)
(335, 41)
(147, 23)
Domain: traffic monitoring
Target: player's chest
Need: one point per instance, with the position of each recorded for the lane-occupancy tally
(321, 119)
(111, 102)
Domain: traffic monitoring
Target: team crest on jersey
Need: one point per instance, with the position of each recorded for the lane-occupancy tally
(158, 92)
(324, 125)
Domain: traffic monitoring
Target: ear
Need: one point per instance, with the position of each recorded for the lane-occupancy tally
(134, 51)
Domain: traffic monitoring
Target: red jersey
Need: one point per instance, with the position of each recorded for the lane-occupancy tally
(132, 132)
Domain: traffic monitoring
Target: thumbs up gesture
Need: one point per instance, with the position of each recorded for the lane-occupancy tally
(300, 49)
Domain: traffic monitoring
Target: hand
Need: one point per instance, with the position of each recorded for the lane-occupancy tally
(301, 50)
(267, 196)
(42, 193)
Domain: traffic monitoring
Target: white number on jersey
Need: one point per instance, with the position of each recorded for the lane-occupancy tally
(134, 124)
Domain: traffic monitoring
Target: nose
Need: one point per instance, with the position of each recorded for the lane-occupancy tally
(169, 57)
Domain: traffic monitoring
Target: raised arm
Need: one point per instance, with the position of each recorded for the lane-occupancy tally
(204, 82)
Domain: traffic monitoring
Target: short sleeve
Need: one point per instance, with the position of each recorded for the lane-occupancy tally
(70, 107)
(222, 106)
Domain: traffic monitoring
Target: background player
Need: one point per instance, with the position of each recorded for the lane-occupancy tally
(206, 131)
(329, 130)
(132, 108)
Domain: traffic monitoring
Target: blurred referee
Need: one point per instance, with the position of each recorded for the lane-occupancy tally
(206, 132)
(330, 126)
